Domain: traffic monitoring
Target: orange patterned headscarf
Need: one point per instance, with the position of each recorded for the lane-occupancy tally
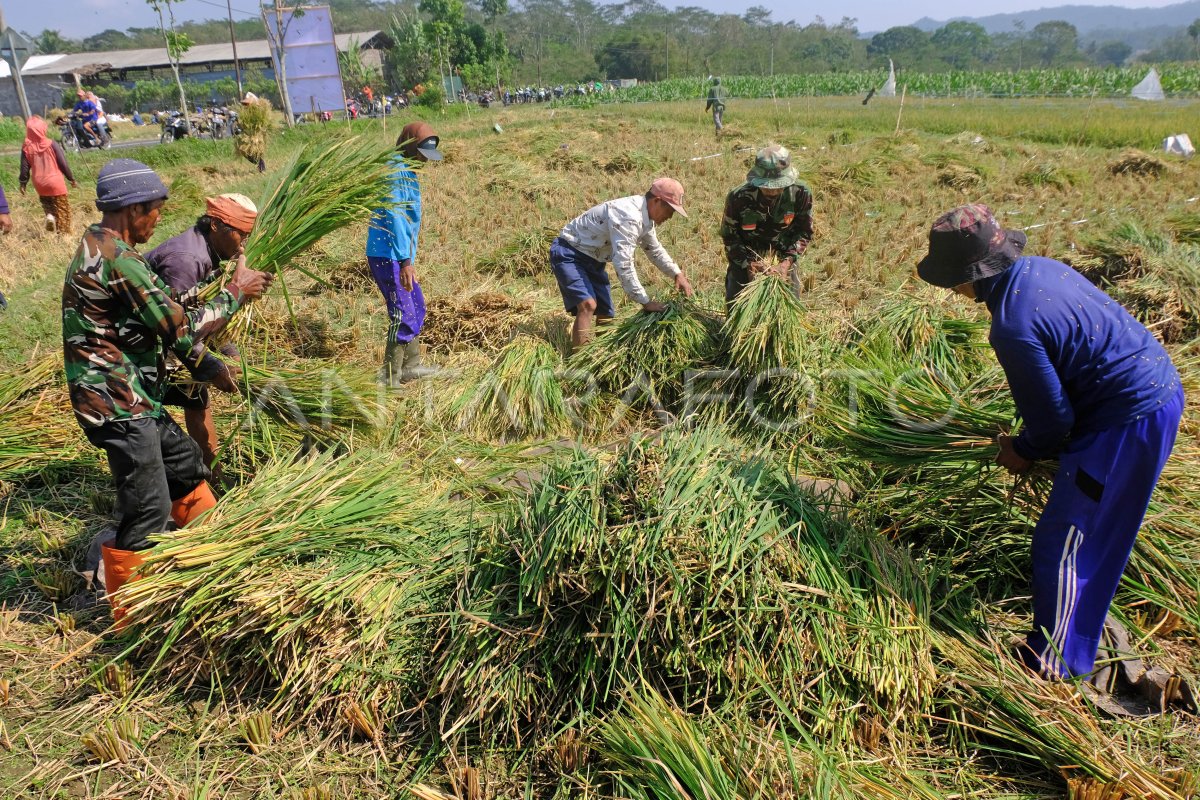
(235, 210)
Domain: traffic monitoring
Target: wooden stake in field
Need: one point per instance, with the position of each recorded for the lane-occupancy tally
(900, 113)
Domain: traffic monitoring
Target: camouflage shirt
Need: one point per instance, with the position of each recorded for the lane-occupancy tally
(117, 316)
(751, 231)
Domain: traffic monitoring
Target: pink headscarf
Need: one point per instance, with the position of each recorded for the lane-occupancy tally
(36, 140)
(48, 179)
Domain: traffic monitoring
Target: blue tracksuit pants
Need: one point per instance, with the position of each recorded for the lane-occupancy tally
(1083, 539)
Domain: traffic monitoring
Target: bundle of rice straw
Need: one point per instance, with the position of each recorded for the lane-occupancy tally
(254, 121)
(519, 396)
(327, 186)
(683, 566)
(311, 583)
(647, 356)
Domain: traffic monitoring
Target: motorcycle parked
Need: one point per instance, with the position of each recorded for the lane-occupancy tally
(174, 128)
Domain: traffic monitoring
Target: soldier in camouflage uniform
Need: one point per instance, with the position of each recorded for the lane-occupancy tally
(716, 103)
(117, 317)
(771, 213)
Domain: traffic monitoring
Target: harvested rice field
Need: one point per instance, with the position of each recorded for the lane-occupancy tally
(714, 554)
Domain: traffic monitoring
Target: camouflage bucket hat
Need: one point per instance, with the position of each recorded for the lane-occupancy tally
(772, 168)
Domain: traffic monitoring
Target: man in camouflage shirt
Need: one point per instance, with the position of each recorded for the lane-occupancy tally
(117, 317)
(771, 213)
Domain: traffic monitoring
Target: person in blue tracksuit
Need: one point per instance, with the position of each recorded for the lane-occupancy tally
(1096, 390)
(391, 251)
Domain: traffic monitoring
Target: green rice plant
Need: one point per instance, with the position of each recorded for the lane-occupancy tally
(647, 356)
(1185, 226)
(526, 255)
(113, 741)
(518, 397)
(1046, 173)
(993, 703)
(765, 328)
(320, 400)
(311, 584)
(658, 752)
(685, 567)
(325, 187)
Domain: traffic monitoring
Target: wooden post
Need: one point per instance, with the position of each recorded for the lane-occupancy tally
(903, 92)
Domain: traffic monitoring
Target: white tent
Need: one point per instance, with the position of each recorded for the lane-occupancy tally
(889, 88)
(1150, 88)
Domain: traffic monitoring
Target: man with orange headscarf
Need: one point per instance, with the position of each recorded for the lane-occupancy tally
(187, 263)
(43, 160)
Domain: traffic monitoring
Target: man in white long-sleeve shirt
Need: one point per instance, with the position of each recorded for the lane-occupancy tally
(612, 231)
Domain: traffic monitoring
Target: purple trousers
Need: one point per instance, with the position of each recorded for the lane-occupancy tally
(406, 310)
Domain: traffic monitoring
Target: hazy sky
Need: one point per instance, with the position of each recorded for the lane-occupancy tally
(78, 18)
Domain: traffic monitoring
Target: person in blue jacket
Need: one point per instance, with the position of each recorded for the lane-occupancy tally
(1094, 389)
(391, 251)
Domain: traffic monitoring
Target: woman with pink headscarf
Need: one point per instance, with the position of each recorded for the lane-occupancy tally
(43, 160)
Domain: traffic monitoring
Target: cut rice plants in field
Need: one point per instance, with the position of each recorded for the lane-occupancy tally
(995, 704)
(324, 188)
(255, 124)
(526, 255)
(1157, 279)
(323, 402)
(766, 328)
(684, 567)
(520, 396)
(311, 584)
(646, 357)
(38, 432)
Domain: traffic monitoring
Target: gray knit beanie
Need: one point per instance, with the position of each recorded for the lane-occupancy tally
(124, 182)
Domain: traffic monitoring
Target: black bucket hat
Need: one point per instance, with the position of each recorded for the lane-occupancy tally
(967, 244)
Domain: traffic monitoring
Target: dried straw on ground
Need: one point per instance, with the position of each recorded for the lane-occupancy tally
(484, 320)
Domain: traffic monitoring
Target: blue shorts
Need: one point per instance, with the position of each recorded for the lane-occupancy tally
(580, 278)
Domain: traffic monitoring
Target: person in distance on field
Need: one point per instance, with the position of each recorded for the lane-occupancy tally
(117, 318)
(716, 103)
(44, 160)
(1095, 390)
(187, 263)
(770, 214)
(607, 232)
(391, 251)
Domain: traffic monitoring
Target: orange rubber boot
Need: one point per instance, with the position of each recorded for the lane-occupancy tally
(118, 570)
(190, 506)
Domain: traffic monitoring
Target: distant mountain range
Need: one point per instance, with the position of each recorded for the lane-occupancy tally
(1093, 22)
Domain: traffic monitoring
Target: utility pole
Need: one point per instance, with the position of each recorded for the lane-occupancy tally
(10, 44)
(237, 67)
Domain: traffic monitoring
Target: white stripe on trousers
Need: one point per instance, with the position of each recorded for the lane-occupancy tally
(1066, 600)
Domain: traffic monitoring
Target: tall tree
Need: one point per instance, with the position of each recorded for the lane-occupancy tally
(1055, 42)
(1194, 32)
(961, 44)
(49, 41)
(177, 44)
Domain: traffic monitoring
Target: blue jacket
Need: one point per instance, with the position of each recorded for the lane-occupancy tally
(1076, 360)
(394, 230)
